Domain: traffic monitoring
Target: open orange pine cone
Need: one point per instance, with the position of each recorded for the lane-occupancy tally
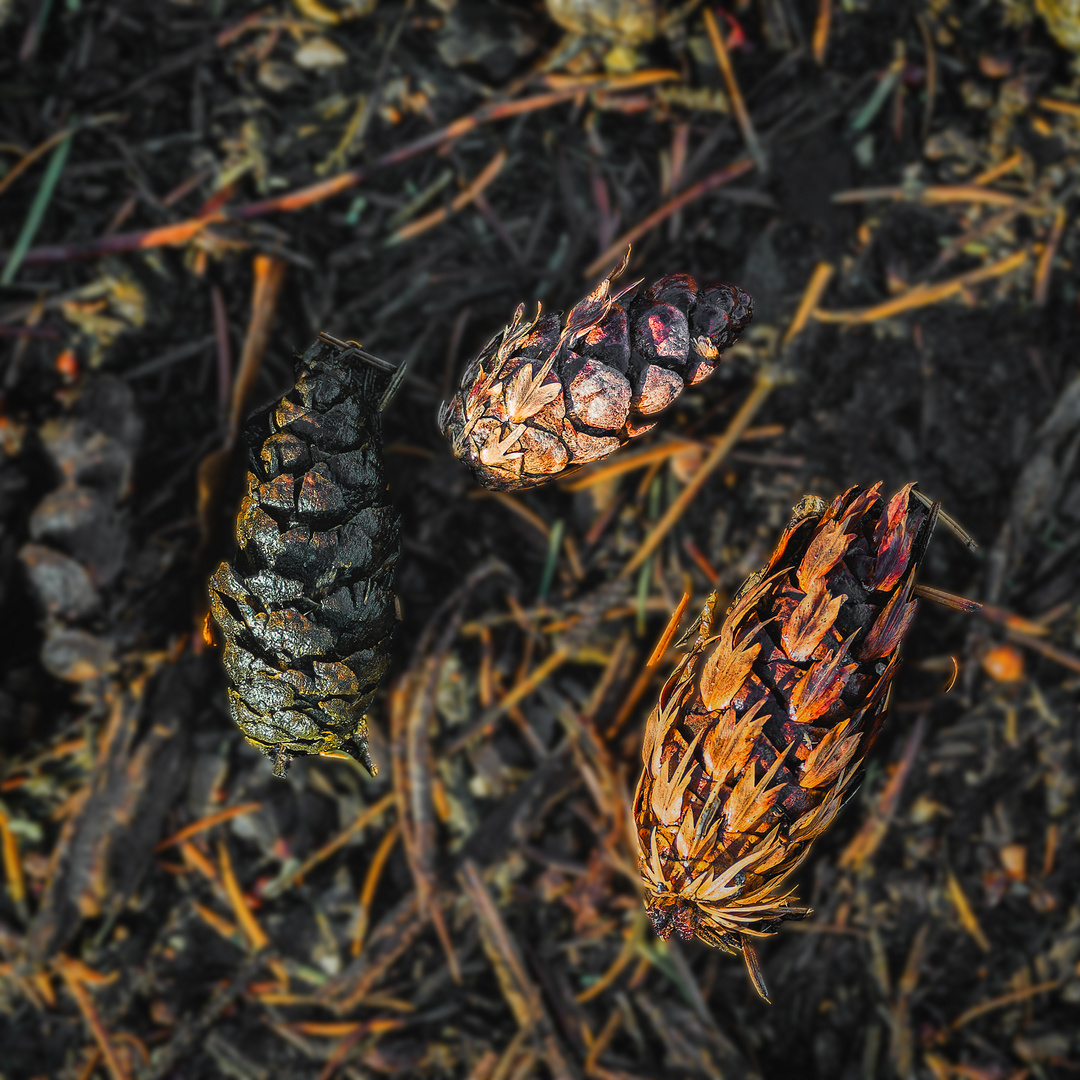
(763, 729)
(546, 396)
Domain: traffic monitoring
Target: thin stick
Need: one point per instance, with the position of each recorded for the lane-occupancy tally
(924, 295)
(738, 105)
(208, 822)
(695, 191)
(763, 387)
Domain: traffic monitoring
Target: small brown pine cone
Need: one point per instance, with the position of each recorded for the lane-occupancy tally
(543, 397)
(762, 731)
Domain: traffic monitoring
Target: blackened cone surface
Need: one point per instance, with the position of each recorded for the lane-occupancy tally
(307, 609)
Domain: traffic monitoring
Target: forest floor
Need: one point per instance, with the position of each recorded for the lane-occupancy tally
(191, 192)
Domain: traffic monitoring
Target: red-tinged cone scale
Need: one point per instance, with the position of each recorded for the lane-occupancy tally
(761, 732)
(546, 396)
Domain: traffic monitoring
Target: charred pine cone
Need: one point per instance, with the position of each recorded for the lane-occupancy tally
(763, 729)
(308, 609)
(541, 398)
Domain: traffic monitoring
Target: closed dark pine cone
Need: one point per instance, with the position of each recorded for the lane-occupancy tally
(308, 609)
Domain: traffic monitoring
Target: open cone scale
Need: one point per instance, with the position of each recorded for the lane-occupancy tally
(543, 396)
(763, 729)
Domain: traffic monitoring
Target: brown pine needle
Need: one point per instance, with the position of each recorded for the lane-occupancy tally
(868, 839)
(738, 105)
(333, 845)
(459, 202)
(515, 505)
(1046, 258)
(714, 180)
(936, 195)
(254, 933)
(821, 31)
(1005, 999)
(12, 863)
(196, 860)
(208, 822)
(371, 883)
(973, 607)
(1067, 108)
(923, 295)
(815, 289)
(763, 387)
(634, 460)
(70, 975)
(1003, 168)
(641, 683)
(631, 942)
(514, 696)
(669, 632)
(228, 930)
(43, 148)
(965, 912)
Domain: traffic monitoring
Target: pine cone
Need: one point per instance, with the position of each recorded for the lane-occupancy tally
(540, 399)
(763, 729)
(308, 610)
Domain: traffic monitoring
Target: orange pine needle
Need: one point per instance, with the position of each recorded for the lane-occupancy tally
(208, 822)
(371, 883)
(923, 295)
(70, 973)
(12, 862)
(254, 933)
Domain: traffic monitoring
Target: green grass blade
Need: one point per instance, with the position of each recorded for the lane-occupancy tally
(37, 211)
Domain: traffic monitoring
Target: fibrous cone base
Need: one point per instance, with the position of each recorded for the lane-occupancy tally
(763, 729)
